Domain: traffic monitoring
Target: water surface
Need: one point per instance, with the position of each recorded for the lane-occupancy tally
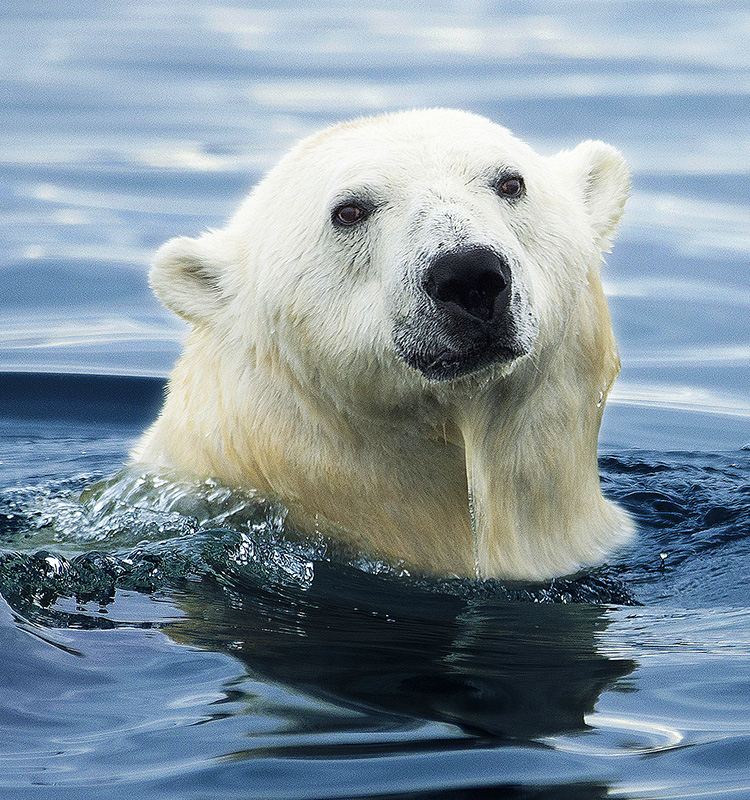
(181, 643)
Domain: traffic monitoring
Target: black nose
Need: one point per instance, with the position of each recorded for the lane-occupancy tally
(472, 281)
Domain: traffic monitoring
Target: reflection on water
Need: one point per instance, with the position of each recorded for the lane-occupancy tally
(494, 668)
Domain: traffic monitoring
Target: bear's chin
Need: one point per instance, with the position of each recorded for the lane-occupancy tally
(448, 345)
(449, 364)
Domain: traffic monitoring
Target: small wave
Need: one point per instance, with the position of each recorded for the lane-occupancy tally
(139, 531)
(693, 516)
(85, 539)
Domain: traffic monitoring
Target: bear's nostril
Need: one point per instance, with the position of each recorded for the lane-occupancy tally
(472, 282)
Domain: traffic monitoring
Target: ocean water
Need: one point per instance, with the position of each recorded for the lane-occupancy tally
(176, 641)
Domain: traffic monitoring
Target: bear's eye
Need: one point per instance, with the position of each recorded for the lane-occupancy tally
(510, 186)
(349, 214)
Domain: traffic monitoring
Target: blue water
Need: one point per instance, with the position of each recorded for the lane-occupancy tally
(176, 641)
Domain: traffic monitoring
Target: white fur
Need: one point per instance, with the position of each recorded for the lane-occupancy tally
(290, 383)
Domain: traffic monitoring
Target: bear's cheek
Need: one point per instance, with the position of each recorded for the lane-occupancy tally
(557, 257)
(340, 329)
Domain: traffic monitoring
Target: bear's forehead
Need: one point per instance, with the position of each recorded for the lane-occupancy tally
(434, 139)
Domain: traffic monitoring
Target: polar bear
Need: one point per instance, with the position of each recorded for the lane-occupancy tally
(402, 335)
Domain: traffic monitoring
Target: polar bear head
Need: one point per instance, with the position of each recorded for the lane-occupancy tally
(391, 278)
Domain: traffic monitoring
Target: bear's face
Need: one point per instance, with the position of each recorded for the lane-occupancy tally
(406, 250)
(437, 239)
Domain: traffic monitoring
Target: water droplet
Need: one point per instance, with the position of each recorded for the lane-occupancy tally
(474, 532)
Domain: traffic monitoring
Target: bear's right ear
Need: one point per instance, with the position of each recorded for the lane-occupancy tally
(187, 277)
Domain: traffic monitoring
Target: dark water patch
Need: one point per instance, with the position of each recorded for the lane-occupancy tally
(492, 667)
(576, 791)
(693, 516)
(80, 398)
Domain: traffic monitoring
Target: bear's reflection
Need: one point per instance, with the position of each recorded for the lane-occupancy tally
(490, 666)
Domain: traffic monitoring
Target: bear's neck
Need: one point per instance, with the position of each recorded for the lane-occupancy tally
(530, 444)
(533, 481)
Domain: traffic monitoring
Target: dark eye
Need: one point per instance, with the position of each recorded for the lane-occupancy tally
(511, 187)
(349, 214)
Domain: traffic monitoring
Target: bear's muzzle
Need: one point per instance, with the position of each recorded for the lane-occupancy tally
(466, 319)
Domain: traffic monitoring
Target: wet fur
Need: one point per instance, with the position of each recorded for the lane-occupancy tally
(293, 380)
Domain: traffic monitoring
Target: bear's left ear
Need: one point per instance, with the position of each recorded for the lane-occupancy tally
(603, 179)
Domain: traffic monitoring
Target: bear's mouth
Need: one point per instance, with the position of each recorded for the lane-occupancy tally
(449, 364)
(444, 347)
